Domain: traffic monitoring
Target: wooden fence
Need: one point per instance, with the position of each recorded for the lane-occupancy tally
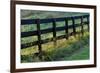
(54, 29)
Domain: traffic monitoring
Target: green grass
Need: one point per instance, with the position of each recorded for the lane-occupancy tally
(47, 14)
(81, 55)
(74, 48)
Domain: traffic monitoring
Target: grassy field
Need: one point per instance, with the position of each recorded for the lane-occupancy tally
(27, 14)
(75, 48)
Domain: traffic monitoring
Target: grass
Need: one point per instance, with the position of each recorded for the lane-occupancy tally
(81, 55)
(46, 14)
(74, 48)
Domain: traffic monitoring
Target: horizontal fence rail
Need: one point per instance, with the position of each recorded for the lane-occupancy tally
(53, 29)
(34, 21)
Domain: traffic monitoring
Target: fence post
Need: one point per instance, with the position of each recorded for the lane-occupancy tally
(82, 31)
(66, 27)
(73, 24)
(88, 22)
(39, 39)
(54, 32)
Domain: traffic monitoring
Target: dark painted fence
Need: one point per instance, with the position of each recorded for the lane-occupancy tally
(54, 29)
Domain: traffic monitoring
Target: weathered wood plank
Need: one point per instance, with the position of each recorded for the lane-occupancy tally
(66, 26)
(39, 39)
(73, 24)
(54, 31)
(82, 29)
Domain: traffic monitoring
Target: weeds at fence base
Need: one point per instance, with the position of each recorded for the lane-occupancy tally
(74, 48)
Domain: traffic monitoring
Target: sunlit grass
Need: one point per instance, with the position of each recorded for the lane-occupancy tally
(63, 50)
